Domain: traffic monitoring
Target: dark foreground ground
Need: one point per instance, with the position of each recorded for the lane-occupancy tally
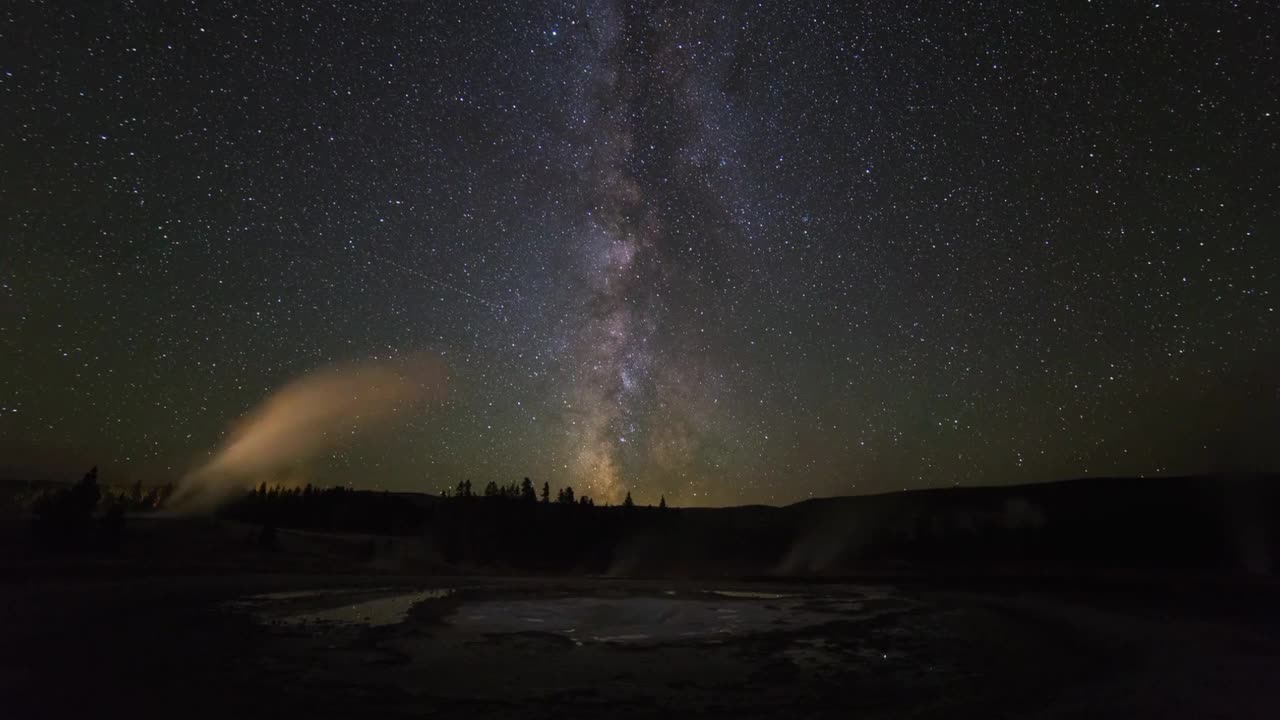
(299, 646)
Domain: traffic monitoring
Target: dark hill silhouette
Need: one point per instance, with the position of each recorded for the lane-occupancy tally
(1201, 523)
(1186, 524)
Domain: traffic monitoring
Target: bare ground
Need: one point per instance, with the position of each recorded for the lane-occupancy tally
(347, 646)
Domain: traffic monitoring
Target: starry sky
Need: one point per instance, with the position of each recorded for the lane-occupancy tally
(724, 252)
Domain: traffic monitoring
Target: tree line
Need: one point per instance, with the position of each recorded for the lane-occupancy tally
(526, 491)
(89, 514)
(517, 524)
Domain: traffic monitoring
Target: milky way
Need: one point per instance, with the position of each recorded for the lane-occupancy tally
(721, 252)
(634, 378)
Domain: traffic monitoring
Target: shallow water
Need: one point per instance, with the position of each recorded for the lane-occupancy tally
(298, 608)
(635, 619)
(706, 615)
(374, 613)
(750, 595)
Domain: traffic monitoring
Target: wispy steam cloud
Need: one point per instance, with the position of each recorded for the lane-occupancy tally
(308, 416)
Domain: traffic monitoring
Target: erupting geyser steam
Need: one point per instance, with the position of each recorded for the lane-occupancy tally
(309, 415)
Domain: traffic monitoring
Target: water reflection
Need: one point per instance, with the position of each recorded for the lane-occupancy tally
(355, 608)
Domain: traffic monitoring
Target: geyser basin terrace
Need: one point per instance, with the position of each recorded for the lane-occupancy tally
(672, 616)
(344, 646)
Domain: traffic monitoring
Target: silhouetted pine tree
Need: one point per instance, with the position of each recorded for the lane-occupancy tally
(64, 517)
(86, 493)
(135, 495)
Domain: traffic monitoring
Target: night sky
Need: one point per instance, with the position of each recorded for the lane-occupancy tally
(726, 253)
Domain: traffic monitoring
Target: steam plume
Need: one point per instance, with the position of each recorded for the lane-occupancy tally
(307, 416)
